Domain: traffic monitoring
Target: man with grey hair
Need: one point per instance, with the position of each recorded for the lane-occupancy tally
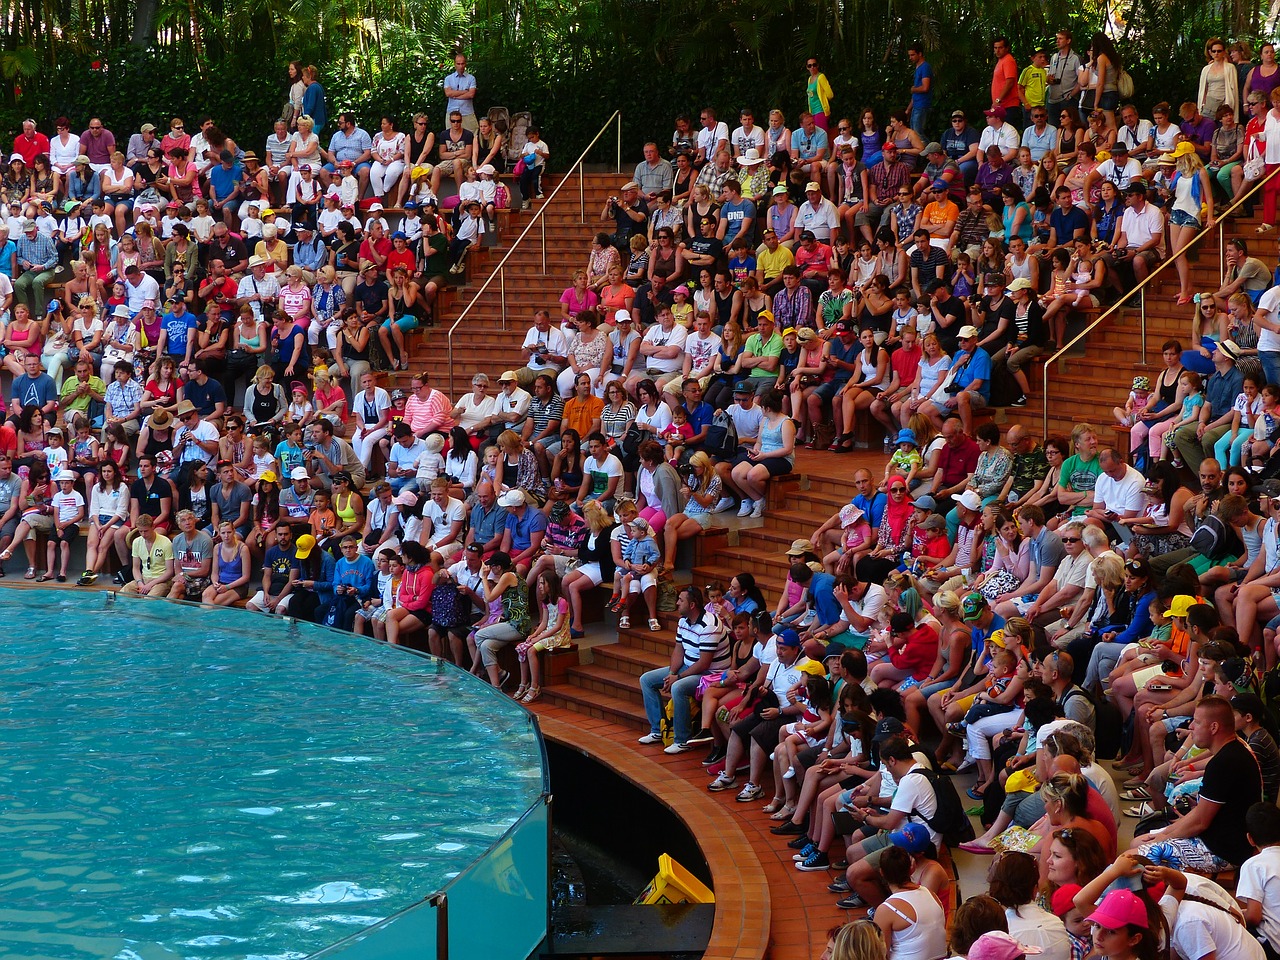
(545, 350)
(1117, 495)
(1029, 463)
(192, 559)
(1068, 580)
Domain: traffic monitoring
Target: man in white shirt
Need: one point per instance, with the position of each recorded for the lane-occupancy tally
(817, 214)
(661, 350)
(258, 287)
(544, 350)
(1117, 495)
(1134, 133)
(747, 135)
(442, 517)
(701, 347)
(403, 457)
(757, 733)
(1139, 238)
(139, 288)
(1119, 168)
(510, 406)
(999, 133)
(712, 138)
(1267, 319)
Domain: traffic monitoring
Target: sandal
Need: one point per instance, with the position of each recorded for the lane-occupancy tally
(624, 622)
(614, 603)
(44, 577)
(8, 554)
(837, 445)
(654, 625)
(774, 805)
(973, 793)
(786, 813)
(533, 694)
(30, 574)
(1136, 793)
(1144, 809)
(520, 692)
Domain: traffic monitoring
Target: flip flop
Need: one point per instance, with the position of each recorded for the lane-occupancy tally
(1136, 793)
(981, 849)
(44, 578)
(1144, 809)
(973, 793)
(947, 768)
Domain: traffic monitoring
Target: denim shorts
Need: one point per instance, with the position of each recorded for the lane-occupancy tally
(1180, 218)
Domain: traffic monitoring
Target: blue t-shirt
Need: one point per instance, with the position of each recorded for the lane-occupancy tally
(873, 508)
(806, 146)
(739, 218)
(280, 562)
(206, 397)
(700, 416)
(979, 368)
(523, 528)
(289, 457)
(223, 180)
(822, 594)
(956, 143)
(922, 101)
(6, 258)
(178, 328)
(1065, 225)
(34, 392)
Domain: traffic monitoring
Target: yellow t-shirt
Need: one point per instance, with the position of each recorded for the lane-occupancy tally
(774, 263)
(155, 557)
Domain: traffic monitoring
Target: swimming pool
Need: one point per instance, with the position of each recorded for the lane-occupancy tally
(177, 782)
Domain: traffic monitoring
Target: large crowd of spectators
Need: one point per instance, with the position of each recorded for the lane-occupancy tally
(194, 389)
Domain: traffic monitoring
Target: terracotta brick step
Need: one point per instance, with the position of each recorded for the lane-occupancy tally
(595, 679)
(626, 659)
(593, 704)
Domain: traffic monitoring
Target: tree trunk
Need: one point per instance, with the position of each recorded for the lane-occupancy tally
(144, 24)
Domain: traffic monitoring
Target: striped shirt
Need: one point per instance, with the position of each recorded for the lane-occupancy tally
(429, 415)
(705, 635)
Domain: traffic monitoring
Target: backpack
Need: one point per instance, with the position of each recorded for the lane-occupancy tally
(1209, 538)
(950, 821)
(446, 608)
(1108, 727)
(722, 436)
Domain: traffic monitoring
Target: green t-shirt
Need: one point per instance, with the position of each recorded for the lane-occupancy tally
(771, 349)
(436, 261)
(1080, 476)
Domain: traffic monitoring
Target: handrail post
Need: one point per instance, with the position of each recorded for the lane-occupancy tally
(619, 169)
(582, 197)
(502, 286)
(544, 245)
(1142, 311)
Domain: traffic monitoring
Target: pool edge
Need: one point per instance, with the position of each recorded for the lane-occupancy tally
(742, 918)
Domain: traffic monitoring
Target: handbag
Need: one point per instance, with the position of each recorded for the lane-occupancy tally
(501, 196)
(520, 167)
(148, 195)
(1255, 166)
(446, 611)
(631, 441)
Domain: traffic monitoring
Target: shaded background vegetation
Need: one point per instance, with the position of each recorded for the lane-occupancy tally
(572, 63)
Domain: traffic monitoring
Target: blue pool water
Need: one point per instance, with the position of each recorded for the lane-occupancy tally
(177, 782)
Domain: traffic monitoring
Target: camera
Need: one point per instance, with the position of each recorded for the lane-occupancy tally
(613, 201)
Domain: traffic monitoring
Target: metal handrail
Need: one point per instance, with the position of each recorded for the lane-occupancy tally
(1141, 290)
(499, 271)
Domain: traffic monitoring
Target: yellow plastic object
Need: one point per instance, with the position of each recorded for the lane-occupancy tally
(674, 884)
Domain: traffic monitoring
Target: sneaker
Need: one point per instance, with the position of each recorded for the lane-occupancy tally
(525, 205)
(888, 445)
(757, 511)
(800, 842)
(839, 886)
(788, 828)
(790, 774)
(650, 738)
(814, 862)
(840, 865)
(87, 578)
(119, 579)
(715, 756)
(703, 735)
(677, 748)
(807, 851)
(751, 791)
(724, 504)
(722, 782)
(851, 902)
(540, 196)
(1020, 401)
(746, 508)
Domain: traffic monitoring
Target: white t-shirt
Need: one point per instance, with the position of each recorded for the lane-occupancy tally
(1037, 927)
(368, 410)
(67, 504)
(701, 352)
(555, 344)
(707, 139)
(1197, 930)
(741, 141)
(443, 518)
(782, 678)
(1117, 174)
(1270, 303)
(915, 798)
(1139, 226)
(470, 413)
(869, 606)
(1120, 496)
(675, 337)
(147, 289)
(1260, 880)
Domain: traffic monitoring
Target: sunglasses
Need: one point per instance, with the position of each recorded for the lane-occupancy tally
(897, 489)
(1070, 539)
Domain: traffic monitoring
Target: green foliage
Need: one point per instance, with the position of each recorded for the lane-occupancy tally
(572, 64)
